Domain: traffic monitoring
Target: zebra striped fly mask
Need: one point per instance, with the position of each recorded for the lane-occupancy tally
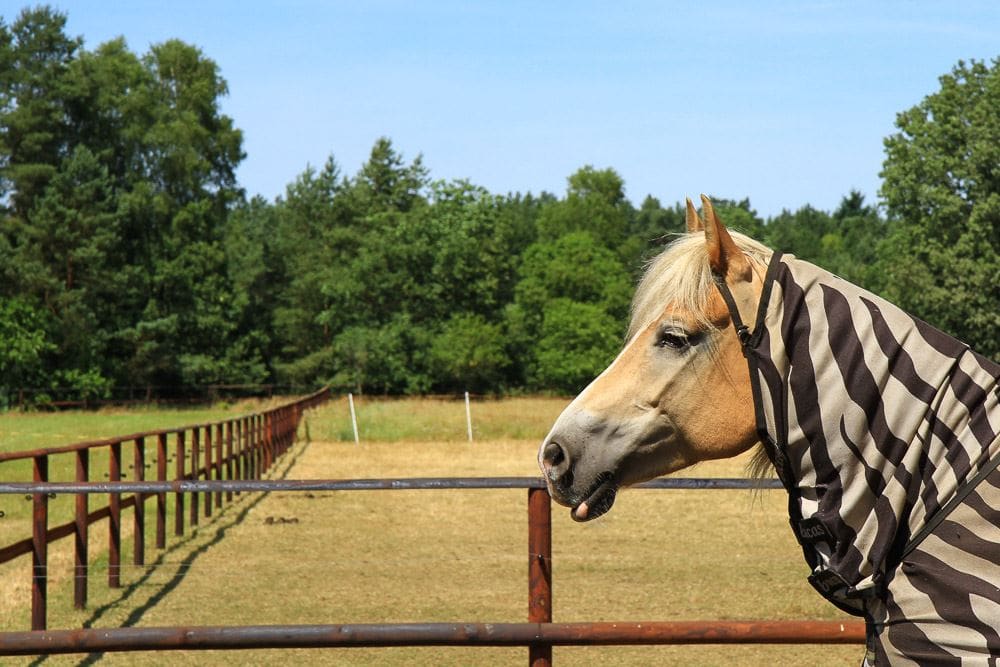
(875, 422)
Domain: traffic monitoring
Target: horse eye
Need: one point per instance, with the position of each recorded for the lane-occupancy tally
(673, 340)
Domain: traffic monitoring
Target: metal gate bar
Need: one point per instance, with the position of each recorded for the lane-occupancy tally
(430, 634)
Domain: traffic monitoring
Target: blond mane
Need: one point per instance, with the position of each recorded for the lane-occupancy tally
(680, 275)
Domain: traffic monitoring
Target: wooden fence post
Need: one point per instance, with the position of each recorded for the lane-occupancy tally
(248, 472)
(180, 457)
(268, 441)
(288, 437)
(258, 445)
(252, 453)
(241, 453)
(161, 498)
(208, 468)
(81, 532)
(39, 545)
(253, 460)
(218, 461)
(261, 446)
(195, 455)
(115, 519)
(139, 514)
(229, 456)
(280, 419)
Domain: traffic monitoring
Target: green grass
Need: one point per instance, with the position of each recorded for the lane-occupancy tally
(437, 420)
(31, 430)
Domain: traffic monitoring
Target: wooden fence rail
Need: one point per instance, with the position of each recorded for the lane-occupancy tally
(242, 448)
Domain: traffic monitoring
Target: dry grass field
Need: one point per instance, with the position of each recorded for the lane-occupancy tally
(20, 431)
(397, 556)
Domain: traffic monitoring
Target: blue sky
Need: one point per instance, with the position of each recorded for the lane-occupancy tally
(784, 102)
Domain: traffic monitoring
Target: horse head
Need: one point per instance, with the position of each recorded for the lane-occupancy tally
(679, 391)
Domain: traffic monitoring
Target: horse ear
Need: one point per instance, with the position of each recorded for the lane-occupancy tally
(694, 223)
(724, 256)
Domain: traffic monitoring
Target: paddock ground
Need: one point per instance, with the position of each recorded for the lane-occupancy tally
(398, 556)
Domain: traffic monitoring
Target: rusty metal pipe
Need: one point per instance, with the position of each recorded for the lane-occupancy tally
(539, 571)
(430, 634)
(399, 484)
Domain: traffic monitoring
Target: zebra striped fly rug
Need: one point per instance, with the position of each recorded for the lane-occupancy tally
(883, 430)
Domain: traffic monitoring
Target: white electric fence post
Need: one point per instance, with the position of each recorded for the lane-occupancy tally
(468, 416)
(354, 418)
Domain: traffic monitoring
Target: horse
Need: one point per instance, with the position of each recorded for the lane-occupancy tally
(882, 430)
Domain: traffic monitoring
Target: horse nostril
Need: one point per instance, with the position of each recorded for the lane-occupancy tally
(555, 458)
(554, 454)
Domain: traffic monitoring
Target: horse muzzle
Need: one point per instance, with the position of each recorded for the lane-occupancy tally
(588, 500)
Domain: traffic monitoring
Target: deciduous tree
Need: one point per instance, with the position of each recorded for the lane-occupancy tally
(941, 185)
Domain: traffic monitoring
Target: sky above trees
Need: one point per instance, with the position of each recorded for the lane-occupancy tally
(783, 102)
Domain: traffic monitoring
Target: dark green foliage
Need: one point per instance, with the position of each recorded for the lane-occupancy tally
(118, 176)
(23, 348)
(941, 184)
(130, 260)
(468, 354)
(576, 342)
(35, 55)
(846, 242)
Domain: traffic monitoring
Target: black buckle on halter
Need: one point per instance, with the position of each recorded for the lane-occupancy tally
(743, 333)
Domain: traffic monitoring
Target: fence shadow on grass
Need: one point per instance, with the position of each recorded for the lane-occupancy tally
(178, 547)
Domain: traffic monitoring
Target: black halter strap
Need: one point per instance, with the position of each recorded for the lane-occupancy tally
(748, 340)
(747, 337)
(742, 330)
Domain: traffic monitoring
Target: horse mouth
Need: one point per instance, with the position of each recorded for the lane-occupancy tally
(599, 499)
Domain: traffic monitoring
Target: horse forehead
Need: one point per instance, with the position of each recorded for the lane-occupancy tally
(714, 311)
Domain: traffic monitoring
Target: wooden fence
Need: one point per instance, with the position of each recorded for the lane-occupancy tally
(241, 448)
(213, 461)
(539, 634)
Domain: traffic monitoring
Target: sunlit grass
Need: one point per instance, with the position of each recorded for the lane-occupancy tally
(31, 430)
(450, 556)
(37, 430)
(435, 419)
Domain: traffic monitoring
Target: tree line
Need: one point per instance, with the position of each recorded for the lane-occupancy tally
(133, 261)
